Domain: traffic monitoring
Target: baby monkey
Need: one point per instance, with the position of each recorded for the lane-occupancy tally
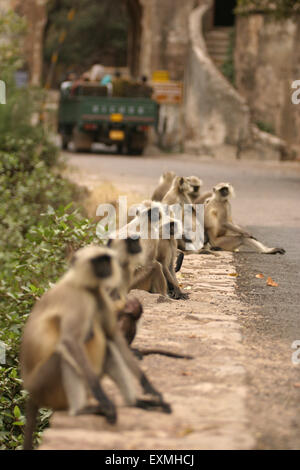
(164, 185)
(129, 319)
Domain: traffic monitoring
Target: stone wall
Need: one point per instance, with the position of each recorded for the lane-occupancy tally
(215, 113)
(267, 61)
(218, 118)
(165, 37)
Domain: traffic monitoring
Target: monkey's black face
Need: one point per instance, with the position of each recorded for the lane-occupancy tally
(196, 189)
(133, 245)
(224, 191)
(102, 266)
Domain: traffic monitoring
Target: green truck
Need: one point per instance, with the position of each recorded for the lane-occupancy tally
(86, 117)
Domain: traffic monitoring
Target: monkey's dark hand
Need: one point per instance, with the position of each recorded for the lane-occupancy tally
(137, 354)
(150, 405)
(178, 295)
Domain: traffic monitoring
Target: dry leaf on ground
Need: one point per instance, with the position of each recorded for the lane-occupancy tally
(259, 276)
(271, 283)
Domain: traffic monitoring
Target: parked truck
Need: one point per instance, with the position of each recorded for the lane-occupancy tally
(87, 116)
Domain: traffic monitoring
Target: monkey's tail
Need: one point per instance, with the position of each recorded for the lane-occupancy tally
(179, 261)
(162, 352)
(31, 416)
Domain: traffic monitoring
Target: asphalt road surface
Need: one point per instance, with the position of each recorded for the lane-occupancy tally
(267, 203)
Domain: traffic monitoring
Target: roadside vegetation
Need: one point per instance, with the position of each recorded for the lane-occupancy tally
(280, 8)
(41, 224)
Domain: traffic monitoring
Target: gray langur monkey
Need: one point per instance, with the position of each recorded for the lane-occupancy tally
(166, 255)
(221, 231)
(72, 339)
(196, 185)
(195, 195)
(120, 363)
(149, 274)
(63, 345)
(129, 320)
(130, 256)
(178, 192)
(165, 182)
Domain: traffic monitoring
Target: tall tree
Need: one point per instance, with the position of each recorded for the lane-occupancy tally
(97, 34)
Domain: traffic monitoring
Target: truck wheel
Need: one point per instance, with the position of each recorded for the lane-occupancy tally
(120, 149)
(135, 152)
(82, 141)
(137, 143)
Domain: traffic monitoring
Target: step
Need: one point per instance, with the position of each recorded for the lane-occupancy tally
(217, 35)
(218, 47)
(218, 56)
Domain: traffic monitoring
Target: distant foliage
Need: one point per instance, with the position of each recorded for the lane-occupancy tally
(22, 103)
(228, 68)
(280, 8)
(266, 127)
(98, 33)
(12, 29)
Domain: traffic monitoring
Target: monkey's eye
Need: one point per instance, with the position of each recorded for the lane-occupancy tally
(102, 266)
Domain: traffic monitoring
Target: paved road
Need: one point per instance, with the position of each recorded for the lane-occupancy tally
(267, 203)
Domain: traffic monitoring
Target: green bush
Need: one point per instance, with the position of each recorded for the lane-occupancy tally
(35, 242)
(39, 225)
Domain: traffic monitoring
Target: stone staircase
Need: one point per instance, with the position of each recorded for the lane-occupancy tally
(218, 42)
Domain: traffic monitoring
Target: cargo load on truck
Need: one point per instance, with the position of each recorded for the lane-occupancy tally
(113, 110)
